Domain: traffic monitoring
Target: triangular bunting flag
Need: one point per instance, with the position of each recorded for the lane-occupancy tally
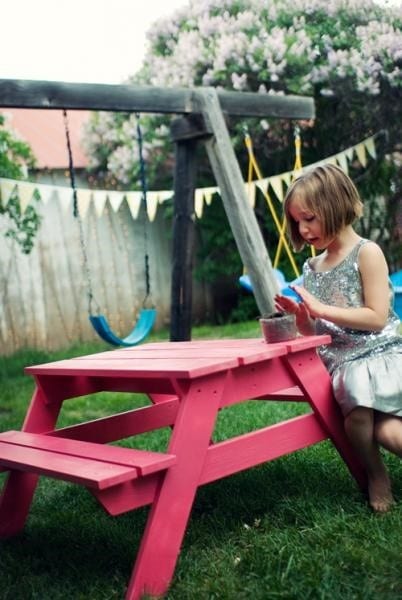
(115, 199)
(134, 200)
(152, 205)
(209, 192)
(6, 189)
(361, 154)
(99, 198)
(199, 202)
(286, 178)
(65, 197)
(295, 174)
(164, 195)
(349, 153)
(25, 192)
(262, 184)
(45, 192)
(343, 161)
(370, 147)
(250, 192)
(84, 197)
(276, 184)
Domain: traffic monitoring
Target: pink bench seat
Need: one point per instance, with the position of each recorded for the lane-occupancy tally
(96, 466)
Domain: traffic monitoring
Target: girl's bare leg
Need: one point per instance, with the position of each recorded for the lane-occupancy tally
(388, 432)
(359, 427)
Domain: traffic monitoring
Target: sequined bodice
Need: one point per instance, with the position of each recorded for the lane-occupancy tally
(342, 286)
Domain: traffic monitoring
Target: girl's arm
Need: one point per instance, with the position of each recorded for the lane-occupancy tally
(373, 315)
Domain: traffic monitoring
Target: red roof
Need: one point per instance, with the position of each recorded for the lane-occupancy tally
(43, 130)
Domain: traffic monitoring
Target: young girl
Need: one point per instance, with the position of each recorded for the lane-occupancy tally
(346, 293)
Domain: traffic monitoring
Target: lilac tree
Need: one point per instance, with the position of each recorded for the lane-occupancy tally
(347, 54)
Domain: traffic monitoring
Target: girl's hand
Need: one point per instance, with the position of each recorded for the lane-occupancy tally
(303, 320)
(314, 307)
(285, 304)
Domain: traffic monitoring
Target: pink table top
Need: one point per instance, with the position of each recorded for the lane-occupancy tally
(186, 360)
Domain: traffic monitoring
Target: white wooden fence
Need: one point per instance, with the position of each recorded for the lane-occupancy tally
(44, 295)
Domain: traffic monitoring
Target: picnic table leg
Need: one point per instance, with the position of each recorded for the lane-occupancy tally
(314, 379)
(19, 487)
(172, 505)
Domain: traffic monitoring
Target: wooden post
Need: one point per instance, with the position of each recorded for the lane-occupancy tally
(240, 214)
(185, 133)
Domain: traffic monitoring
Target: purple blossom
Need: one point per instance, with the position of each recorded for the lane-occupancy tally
(263, 46)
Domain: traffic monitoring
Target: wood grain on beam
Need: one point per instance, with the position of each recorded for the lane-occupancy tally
(20, 93)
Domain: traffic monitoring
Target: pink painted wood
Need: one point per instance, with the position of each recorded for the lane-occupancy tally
(140, 461)
(188, 384)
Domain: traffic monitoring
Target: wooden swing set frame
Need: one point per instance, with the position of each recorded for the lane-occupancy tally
(201, 118)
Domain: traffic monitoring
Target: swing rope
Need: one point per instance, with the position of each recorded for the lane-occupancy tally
(298, 166)
(144, 189)
(253, 165)
(76, 214)
(147, 317)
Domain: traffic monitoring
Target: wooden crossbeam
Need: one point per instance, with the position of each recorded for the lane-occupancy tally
(21, 93)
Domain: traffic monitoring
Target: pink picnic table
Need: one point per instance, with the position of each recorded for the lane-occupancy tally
(188, 383)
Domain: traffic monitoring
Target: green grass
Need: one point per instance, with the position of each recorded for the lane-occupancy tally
(296, 528)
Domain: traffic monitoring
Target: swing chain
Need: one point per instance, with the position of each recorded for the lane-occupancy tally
(144, 189)
(76, 214)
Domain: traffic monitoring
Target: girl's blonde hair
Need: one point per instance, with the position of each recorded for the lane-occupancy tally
(330, 195)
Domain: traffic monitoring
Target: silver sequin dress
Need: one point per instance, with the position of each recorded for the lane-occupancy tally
(365, 366)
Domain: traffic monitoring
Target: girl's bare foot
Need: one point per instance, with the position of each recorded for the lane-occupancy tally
(380, 494)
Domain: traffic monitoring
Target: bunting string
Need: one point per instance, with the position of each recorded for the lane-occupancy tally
(25, 190)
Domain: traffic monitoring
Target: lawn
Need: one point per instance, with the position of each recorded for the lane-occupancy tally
(296, 528)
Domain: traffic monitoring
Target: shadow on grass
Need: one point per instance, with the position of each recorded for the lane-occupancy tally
(71, 548)
(251, 529)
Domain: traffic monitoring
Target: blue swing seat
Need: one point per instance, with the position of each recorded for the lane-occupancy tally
(142, 328)
(396, 280)
(245, 282)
